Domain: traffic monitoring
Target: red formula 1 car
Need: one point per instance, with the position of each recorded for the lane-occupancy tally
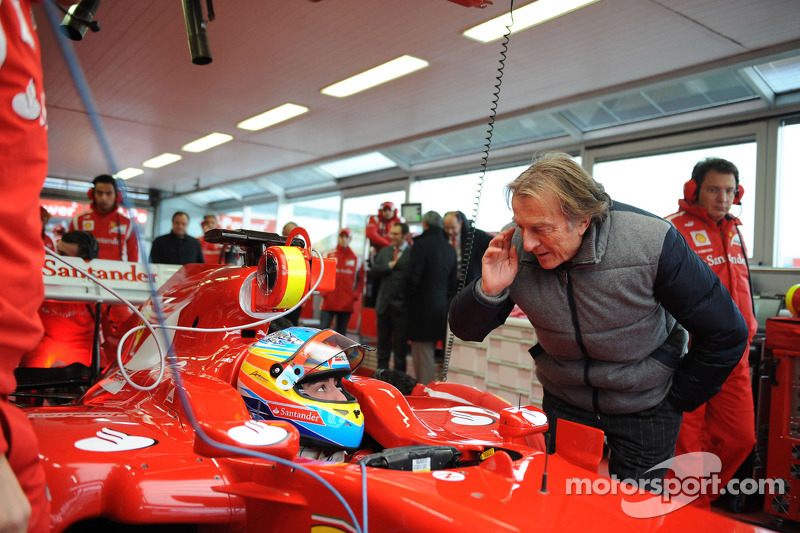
(206, 426)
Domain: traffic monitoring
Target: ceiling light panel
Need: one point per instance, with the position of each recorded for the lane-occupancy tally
(128, 173)
(391, 70)
(161, 160)
(358, 165)
(272, 117)
(524, 17)
(209, 141)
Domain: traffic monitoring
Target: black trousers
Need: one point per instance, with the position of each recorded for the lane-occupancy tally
(638, 441)
(392, 339)
(342, 319)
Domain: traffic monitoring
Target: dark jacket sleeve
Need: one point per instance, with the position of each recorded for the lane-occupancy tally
(691, 292)
(380, 265)
(472, 317)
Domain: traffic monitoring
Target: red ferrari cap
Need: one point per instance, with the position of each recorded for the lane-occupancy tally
(387, 205)
(345, 231)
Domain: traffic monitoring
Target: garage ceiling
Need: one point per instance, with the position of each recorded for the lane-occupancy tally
(612, 62)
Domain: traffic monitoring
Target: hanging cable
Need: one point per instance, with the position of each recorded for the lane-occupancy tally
(470, 236)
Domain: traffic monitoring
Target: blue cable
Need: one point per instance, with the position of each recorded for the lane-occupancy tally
(82, 86)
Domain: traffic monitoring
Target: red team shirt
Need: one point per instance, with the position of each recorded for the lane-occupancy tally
(212, 252)
(349, 281)
(113, 231)
(23, 167)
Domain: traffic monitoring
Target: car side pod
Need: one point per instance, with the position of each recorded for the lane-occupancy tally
(275, 437)
(516, 423)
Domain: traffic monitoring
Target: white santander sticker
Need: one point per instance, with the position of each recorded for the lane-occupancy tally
(257, 434)
(108, 440)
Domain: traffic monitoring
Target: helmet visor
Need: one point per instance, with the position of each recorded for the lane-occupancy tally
(318, 352)
(324, 352)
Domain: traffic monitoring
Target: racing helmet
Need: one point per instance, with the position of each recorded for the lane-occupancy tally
(274, 369)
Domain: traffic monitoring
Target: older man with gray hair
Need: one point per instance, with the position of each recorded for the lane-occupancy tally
(609, 289)
(430, 285)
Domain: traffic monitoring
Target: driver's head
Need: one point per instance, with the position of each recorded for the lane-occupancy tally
(296, 375)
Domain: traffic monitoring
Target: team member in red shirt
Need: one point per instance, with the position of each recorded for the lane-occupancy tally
(725, 425)
(341, 301)
(378, 226)
(117, 242)
(214, 254)
(113, 230)
(23, 167)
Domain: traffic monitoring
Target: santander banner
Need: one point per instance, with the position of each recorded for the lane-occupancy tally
(64, 282)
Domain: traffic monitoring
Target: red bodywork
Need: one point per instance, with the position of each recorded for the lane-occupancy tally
(133, 456)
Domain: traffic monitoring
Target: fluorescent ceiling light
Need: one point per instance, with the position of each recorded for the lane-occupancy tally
(358, 165)
(271, 117)
(209, 141)
(375, 76)
(128, 173)
(161, 160)
(524, 17)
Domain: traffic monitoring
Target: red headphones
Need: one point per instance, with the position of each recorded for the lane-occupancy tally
(117, 195)
(690, 192)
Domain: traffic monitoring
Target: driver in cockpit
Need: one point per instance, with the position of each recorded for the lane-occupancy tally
(296, 375)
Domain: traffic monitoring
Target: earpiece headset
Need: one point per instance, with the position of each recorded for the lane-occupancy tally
(690, 192)
(102, 179)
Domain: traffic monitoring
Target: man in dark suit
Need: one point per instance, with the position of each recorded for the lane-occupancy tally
(430, 285)
(391, 267)
(459, 231)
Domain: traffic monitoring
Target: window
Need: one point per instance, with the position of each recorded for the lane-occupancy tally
(458, 193)
(258, 217)
(787, 245)
(655, 183)
(319, 217)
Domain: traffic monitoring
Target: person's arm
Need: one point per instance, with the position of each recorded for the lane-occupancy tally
(485, 304)
(691, 292)
(377, 240)
(200, 258)
(380, 265)
(15, 509)
(359, 288)
(473, 315)
(132, 245)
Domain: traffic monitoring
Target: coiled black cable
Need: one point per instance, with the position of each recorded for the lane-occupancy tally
(470, 230)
